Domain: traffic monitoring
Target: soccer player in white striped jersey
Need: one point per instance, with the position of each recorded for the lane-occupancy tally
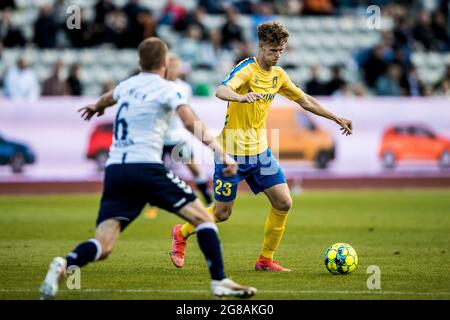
(135, 175)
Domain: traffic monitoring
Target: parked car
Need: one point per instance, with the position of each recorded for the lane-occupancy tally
(99, 142)
(413, 142)
(299, 137)
(15, 154)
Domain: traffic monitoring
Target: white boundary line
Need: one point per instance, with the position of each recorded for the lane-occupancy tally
(345, 292)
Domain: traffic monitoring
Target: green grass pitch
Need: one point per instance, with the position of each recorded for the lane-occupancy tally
(405, 233)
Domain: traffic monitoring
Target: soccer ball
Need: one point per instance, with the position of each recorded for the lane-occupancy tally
(340, 258)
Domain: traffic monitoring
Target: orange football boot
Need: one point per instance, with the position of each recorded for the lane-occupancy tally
(178, 246)
(265, 264)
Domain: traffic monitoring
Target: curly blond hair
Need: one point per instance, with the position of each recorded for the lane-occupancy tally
(272, 33)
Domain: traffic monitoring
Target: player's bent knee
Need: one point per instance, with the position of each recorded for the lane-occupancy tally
(222, 214)
(284, 204)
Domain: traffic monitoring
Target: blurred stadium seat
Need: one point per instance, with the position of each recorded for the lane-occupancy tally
(325, 40)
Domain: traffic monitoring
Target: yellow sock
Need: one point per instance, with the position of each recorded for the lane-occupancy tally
(151, 213)
(273, 231)
(188, 229)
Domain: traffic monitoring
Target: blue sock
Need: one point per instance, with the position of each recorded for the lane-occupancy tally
(83, 254)
(210, 245)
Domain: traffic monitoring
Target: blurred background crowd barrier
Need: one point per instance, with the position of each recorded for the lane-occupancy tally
(391, 136)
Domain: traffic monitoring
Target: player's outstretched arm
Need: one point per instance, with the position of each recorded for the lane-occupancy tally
(91, 110)
(194, 125)
(226, 93)
(312, 105)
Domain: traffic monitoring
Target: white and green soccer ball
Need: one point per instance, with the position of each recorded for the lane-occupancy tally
(340, 258)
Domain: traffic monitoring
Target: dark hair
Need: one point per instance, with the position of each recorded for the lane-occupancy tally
(272, 33)
(152, 52)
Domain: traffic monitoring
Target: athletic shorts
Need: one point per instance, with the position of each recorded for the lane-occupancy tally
(129, 187)
(261, 172)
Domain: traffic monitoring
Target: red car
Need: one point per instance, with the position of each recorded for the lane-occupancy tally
(413, 142)
(99, 143)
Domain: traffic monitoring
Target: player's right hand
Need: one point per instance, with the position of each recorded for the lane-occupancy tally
(89, 111)
(346, 126)
(230, 167)
(250, 97)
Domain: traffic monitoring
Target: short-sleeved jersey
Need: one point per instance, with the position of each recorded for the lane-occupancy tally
(146, 103)
(244, 130)
(176, 134)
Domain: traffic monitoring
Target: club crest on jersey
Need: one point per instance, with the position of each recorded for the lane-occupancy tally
(274, 82)
(256, 80)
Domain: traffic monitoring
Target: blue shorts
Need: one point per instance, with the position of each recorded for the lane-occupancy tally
(261, 172)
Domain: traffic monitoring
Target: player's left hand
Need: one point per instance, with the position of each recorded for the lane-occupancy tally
(89, 111)
(346, 126)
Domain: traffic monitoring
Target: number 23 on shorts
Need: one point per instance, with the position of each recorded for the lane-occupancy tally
(222, 188)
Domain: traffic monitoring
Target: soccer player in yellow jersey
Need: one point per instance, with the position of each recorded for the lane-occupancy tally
(249, 90)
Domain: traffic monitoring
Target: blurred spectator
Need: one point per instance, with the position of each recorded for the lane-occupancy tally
(231, 30)
(244, 51)
(387, 39)
(243, 6)
(116, 29)
(288, 7)
(60, 12)
(102, 8)
(7, 4)
(440, 31)
(317, 7)
(314, 87)
(60, 17)
(83, 36)
(344, 90)
(374, 66)
(423, 33)
(211, 6)
(56, 85)
(132, 9)
(194, 18)
(148, 24)
(411, 84)
(389, 84)
(401, 58)
(10, 35)
(190, 48)
(21, 81)
(359, 90)
(336, 82)
(172, 13)
(212, 52)
(443, 86)
(263, 12)
(45, 28)
(73, 80)
(403, 32)
(1, 55)
(141, 23)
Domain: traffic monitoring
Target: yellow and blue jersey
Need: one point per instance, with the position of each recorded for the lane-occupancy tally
(244, 130)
